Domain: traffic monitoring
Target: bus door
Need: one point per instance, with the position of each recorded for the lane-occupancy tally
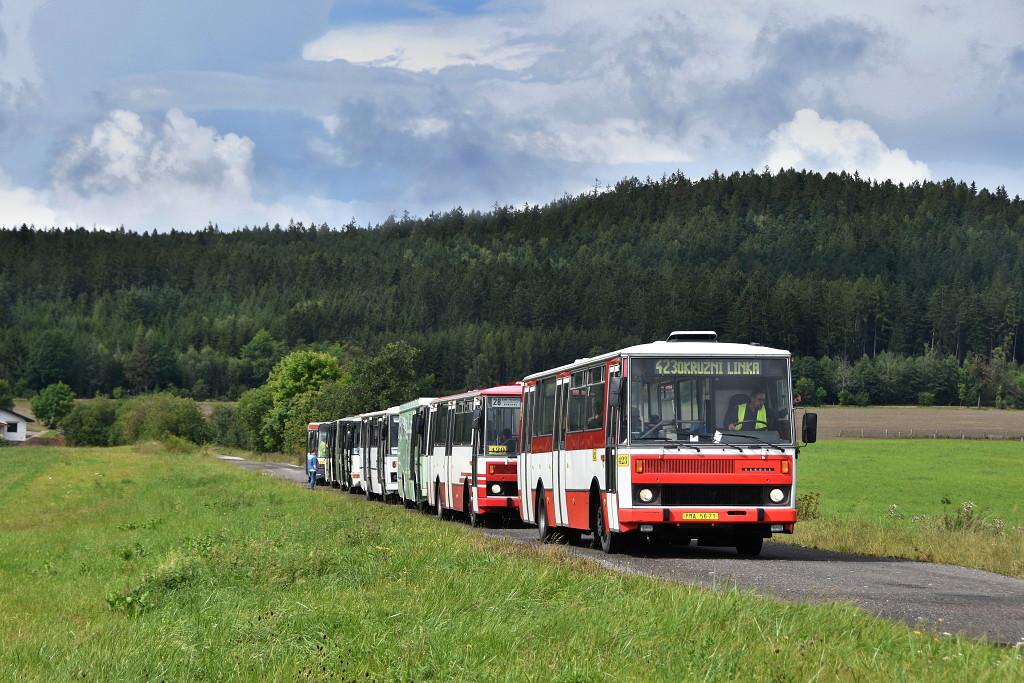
(383, 449)
(613, 424)
(368, 442)
(448, 466)
(477, 445)
(523, 468)
(559, 461)
(343, 461)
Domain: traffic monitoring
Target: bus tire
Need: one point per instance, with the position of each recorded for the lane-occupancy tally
(439, 510)
(749, 546)
(609, 541)
(474, 518)
(543, 528)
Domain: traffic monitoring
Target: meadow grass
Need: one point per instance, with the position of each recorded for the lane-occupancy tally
(905, 498)
(139, 564)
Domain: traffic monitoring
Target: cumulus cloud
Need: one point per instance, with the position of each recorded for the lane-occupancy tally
(809, 141)
(122, 155)
(177, 173)
(23, 205)
(510, 102)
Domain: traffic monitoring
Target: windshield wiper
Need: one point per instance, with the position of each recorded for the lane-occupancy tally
(755, 438)
(669, 443)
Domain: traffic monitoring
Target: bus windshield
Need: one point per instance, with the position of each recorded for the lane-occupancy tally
(502, 425)
(746, 400)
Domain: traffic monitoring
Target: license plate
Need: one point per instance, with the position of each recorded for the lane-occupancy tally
(700, 515)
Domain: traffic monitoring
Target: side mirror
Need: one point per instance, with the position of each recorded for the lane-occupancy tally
(615, 392)
(417, 424)
(809, 432)
(478, 419)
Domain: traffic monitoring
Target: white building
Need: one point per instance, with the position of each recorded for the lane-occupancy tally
(13, 426)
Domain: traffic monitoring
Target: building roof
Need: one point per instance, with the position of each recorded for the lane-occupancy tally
(23, 418)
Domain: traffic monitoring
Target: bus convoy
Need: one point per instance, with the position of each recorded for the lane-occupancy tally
(687, 438)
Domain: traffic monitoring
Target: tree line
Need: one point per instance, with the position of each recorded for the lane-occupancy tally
(872, 285)
(305, 386)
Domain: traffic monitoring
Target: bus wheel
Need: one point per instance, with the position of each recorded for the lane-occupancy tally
(439, 508)
(610, 541)
(543, 530)
(472, 516)
(750, 546)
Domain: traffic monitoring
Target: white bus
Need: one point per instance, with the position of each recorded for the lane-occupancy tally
(380, 453)
(349, 454)
(412, 447)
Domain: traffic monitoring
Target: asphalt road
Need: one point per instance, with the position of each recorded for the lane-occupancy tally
(935, 597)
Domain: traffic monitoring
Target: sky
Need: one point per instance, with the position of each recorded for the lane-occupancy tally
(162, 115)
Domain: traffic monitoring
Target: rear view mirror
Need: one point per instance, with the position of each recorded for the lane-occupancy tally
(615, 391)
(417, 424)
(478, 419)
(809, 432)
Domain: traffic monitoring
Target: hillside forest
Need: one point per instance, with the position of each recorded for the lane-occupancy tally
(885, 293)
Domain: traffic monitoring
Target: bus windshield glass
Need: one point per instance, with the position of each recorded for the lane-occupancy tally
(502, 425)
(746, 400)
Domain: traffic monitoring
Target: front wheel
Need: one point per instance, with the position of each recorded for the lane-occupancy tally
(439, 510)
(610, 541)
(543, 529)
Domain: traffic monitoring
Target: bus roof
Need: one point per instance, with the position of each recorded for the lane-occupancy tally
(515, 389)
(696, 349)
(393, 410)
(414, 404)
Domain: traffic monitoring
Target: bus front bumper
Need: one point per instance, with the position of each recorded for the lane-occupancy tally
(778, 520)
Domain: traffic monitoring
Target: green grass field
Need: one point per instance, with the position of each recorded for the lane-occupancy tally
(927, 481)
(138, 564)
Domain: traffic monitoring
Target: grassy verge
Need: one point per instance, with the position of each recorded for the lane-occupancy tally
(950, 501)
(139, 564)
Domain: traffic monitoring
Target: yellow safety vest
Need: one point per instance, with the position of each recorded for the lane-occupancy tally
(762, 416)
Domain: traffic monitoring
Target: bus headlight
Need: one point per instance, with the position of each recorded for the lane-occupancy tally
(646, 495)
(495, 488)
(777, 495)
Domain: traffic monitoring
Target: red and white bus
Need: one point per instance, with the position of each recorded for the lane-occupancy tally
(681, 439)
(473, 442)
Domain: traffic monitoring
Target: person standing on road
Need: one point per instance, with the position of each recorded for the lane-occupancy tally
(311, 463)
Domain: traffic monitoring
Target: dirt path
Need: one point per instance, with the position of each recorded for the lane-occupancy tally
(936, 597)
(885, 422)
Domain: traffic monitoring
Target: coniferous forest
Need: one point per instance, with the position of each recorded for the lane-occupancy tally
(886, 293)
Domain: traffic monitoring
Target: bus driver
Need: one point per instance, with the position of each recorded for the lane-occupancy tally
(751, 415)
